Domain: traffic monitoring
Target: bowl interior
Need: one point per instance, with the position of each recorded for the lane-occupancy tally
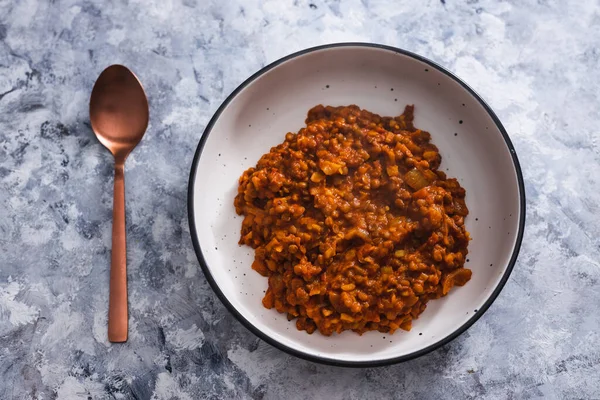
(383, 81)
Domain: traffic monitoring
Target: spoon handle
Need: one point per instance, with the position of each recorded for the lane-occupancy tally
(117, 304)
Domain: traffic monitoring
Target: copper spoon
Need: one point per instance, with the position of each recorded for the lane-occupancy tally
(119, 116)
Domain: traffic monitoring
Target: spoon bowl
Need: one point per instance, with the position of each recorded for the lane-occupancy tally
(119, 110)
(119, 116)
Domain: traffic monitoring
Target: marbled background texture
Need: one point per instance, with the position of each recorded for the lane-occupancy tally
(535, 62)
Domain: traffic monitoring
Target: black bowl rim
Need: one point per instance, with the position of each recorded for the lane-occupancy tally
(326, 360)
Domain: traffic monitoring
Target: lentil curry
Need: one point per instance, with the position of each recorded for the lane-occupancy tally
(353, 223)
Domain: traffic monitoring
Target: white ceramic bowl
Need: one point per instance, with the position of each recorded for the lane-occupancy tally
(474, 146)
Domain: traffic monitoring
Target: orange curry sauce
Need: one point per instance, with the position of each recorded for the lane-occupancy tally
(352, 222)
